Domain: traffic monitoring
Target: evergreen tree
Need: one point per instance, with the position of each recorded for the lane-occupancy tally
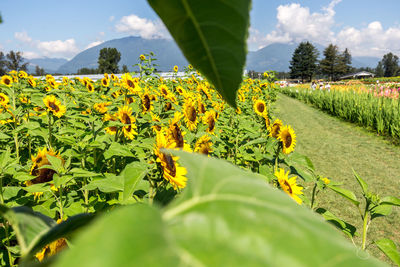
(335, 64)
(347, 61)
(15, 61)
(390, 64)
(108, 60)
(379, 71)
(304, 62)
(2, 64)
(39, 71)
(125, 69)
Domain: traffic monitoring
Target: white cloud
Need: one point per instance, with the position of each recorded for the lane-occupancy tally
(142, 27)
(30, 55)
(65, 48)
(23, 37)
(297, 23)
(111, 18)
(93, 44)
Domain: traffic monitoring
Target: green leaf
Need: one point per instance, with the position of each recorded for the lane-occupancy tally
(380, 211)
(3, 136)
(56, 163)
(117, 149)
(107, 185)
(132, 175)
(225, 217)
(299, 159)
(347, 228)
(81, 173)
(388, 247)
(363, 184)
(345, 193)
(212, 35)
(391, 201)
(28, 225)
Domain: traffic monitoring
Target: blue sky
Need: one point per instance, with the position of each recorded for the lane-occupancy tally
(57, 28)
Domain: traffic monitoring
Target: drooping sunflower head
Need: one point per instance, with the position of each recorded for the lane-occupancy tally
(7, 80)
(4, 99)
(289, 185)
(43, 175)
(288, 139)
(203, 145)
(189, 110)
(275, 128)
(210, 120)
(260, 107)
(54, 105)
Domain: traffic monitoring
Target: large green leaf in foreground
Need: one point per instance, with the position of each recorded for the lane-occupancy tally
(225, 217)
(212, 35)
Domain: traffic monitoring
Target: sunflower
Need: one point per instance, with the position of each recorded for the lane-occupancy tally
(189, 110)
(142, 57)
(54, 105)
(180, 90)
(200, 106)
(275, 128)
(112, 129)
(7, 80)
(32, 82)
(238, 110)
(53, 84)
(129, 83)
(65, 81)
(172, 172)
(105, 82)
(175, 68)
(147, 105)
(43, 175)
(125, 116)
(156, 121)
(4, 99)
(210, 119)
(260, 108)
(101, 107)
(52, 248)
(288, 139)
(289, 185)
(114, 77)
(190, 67)
(22, 74)
(203, 145)
(175, 134)
(165, 92)
(90, 87)
(24, 99)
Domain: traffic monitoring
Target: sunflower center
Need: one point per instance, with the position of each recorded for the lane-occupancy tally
(170, 164)
(211, 124)
(204, 149)
(168, 106)
(202, 108)
(177, 134)
(146, 102)
(288, 187)
(192, 114)
(126, 119)
(164, 92)
(260, 108)
(288, 140)
(7, 81)
(54, 106)
(131, 84)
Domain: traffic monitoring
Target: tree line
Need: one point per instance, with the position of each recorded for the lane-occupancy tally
(305, 64)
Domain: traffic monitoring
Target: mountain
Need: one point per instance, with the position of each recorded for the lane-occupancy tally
(362, 62)
(166, 51)
(50, 65)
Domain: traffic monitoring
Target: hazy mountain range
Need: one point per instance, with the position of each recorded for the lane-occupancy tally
(272, 57)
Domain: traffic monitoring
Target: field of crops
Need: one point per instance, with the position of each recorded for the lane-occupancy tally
(376, 107)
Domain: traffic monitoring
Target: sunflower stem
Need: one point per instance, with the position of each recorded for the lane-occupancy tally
(365, 228)
(50, 131)
(313, 196)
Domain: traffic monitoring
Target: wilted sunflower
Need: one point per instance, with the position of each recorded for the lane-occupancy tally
(275, 128)
(203, 145)
(7, 80)
(4, 99)
(54, 105)
(105, 82)
(260, 108)
(289, 185)
(125, 116)
(288, 139)
(210, 119)
(189, 110)
(147, 105)
(172, 172)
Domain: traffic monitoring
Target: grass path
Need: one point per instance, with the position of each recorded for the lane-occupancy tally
(335, 147)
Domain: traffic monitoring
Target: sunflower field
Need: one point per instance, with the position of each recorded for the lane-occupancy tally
(187, 171)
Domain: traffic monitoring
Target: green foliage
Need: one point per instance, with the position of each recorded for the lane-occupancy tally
(388, 247)
(226, 216)
(108, 60)
(390, 65)
(15, 61)
(334, 64)
(304, 62)
(212, 39)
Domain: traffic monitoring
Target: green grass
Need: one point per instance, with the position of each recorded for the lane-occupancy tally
(335, 147)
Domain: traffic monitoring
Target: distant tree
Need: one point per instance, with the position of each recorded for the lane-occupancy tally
(379, 71)
(39, 71)
(15, 61)
(1, 20)
(390, 64)
(86, 71)
(304, 62)
(334, 64)
(108, 60)
(346, 59)
(2, 64)
(125, 69)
